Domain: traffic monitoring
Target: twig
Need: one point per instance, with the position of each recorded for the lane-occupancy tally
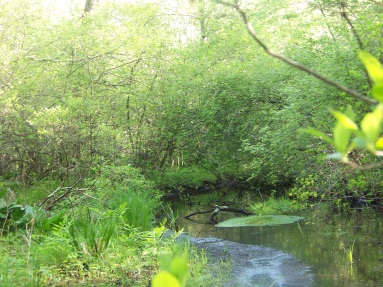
(343, 14)
(199, 212)
(51, 195)
(66, 193)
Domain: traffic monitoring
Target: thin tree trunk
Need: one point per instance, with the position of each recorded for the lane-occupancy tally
(88, 5)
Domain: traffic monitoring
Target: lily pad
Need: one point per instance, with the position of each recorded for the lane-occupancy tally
(259, 220)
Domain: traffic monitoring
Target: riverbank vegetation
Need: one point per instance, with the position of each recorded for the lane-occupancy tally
(103, 112)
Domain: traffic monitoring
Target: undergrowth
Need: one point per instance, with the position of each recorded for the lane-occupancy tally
(106, 237)
(275, 206)
(175, 178)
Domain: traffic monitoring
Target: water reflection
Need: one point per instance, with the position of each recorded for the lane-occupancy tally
(325, 243)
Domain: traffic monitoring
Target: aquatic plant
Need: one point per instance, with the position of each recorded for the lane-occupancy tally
(259, 220)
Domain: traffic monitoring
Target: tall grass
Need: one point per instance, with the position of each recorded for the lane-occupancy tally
(126, 189)
(139, 207)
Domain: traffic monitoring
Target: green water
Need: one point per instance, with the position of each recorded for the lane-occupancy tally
(322, 242)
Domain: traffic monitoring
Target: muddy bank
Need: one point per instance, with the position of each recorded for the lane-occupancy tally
(256, 266)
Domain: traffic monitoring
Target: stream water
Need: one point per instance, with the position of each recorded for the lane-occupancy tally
(323, 243)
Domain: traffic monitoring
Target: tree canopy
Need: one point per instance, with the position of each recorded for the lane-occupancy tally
(160, 85)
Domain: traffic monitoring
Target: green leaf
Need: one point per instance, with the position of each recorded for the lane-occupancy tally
(165, 279)
(371, 126)
(318, 134)
(343, 131)
(342, 137)
(345, 120)
(179, 268)
(176, 267)
(377, 92)
(379, 143)
(373, 67)
(30, 211)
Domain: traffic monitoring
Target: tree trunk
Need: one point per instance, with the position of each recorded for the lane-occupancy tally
(88, 5)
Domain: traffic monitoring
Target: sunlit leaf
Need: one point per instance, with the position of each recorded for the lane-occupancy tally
(345, 120)
(371, 126)
(179, 268)
(342, 137)
(165, 279)
(374, 68)
(379, 143)
(377, 92)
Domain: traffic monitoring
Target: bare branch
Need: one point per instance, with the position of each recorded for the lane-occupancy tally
(344, 15)
(217, 209)
(349, 23)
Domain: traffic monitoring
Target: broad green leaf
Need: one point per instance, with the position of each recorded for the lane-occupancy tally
(176, 267)
(371, 126)
(377, 92)
(165, 279)
(373, 67)
(179, 268)
(345, 120)
(342, 137)
(379, 143)
(318, 134)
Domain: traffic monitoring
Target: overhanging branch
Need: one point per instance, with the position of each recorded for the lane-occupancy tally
(291, 62)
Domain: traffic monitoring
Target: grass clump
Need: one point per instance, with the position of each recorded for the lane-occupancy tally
(275, 206)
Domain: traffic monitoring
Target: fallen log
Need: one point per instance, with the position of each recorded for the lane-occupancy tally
(216, 210)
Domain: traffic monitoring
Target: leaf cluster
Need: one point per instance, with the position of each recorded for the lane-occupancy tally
(347, 135)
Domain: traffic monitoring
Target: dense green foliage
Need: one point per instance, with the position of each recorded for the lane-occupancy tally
(94, 104)
(80, 94)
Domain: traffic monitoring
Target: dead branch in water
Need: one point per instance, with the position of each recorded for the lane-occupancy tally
(216, 210)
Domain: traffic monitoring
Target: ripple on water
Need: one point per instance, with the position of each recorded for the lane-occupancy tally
(258, 266)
